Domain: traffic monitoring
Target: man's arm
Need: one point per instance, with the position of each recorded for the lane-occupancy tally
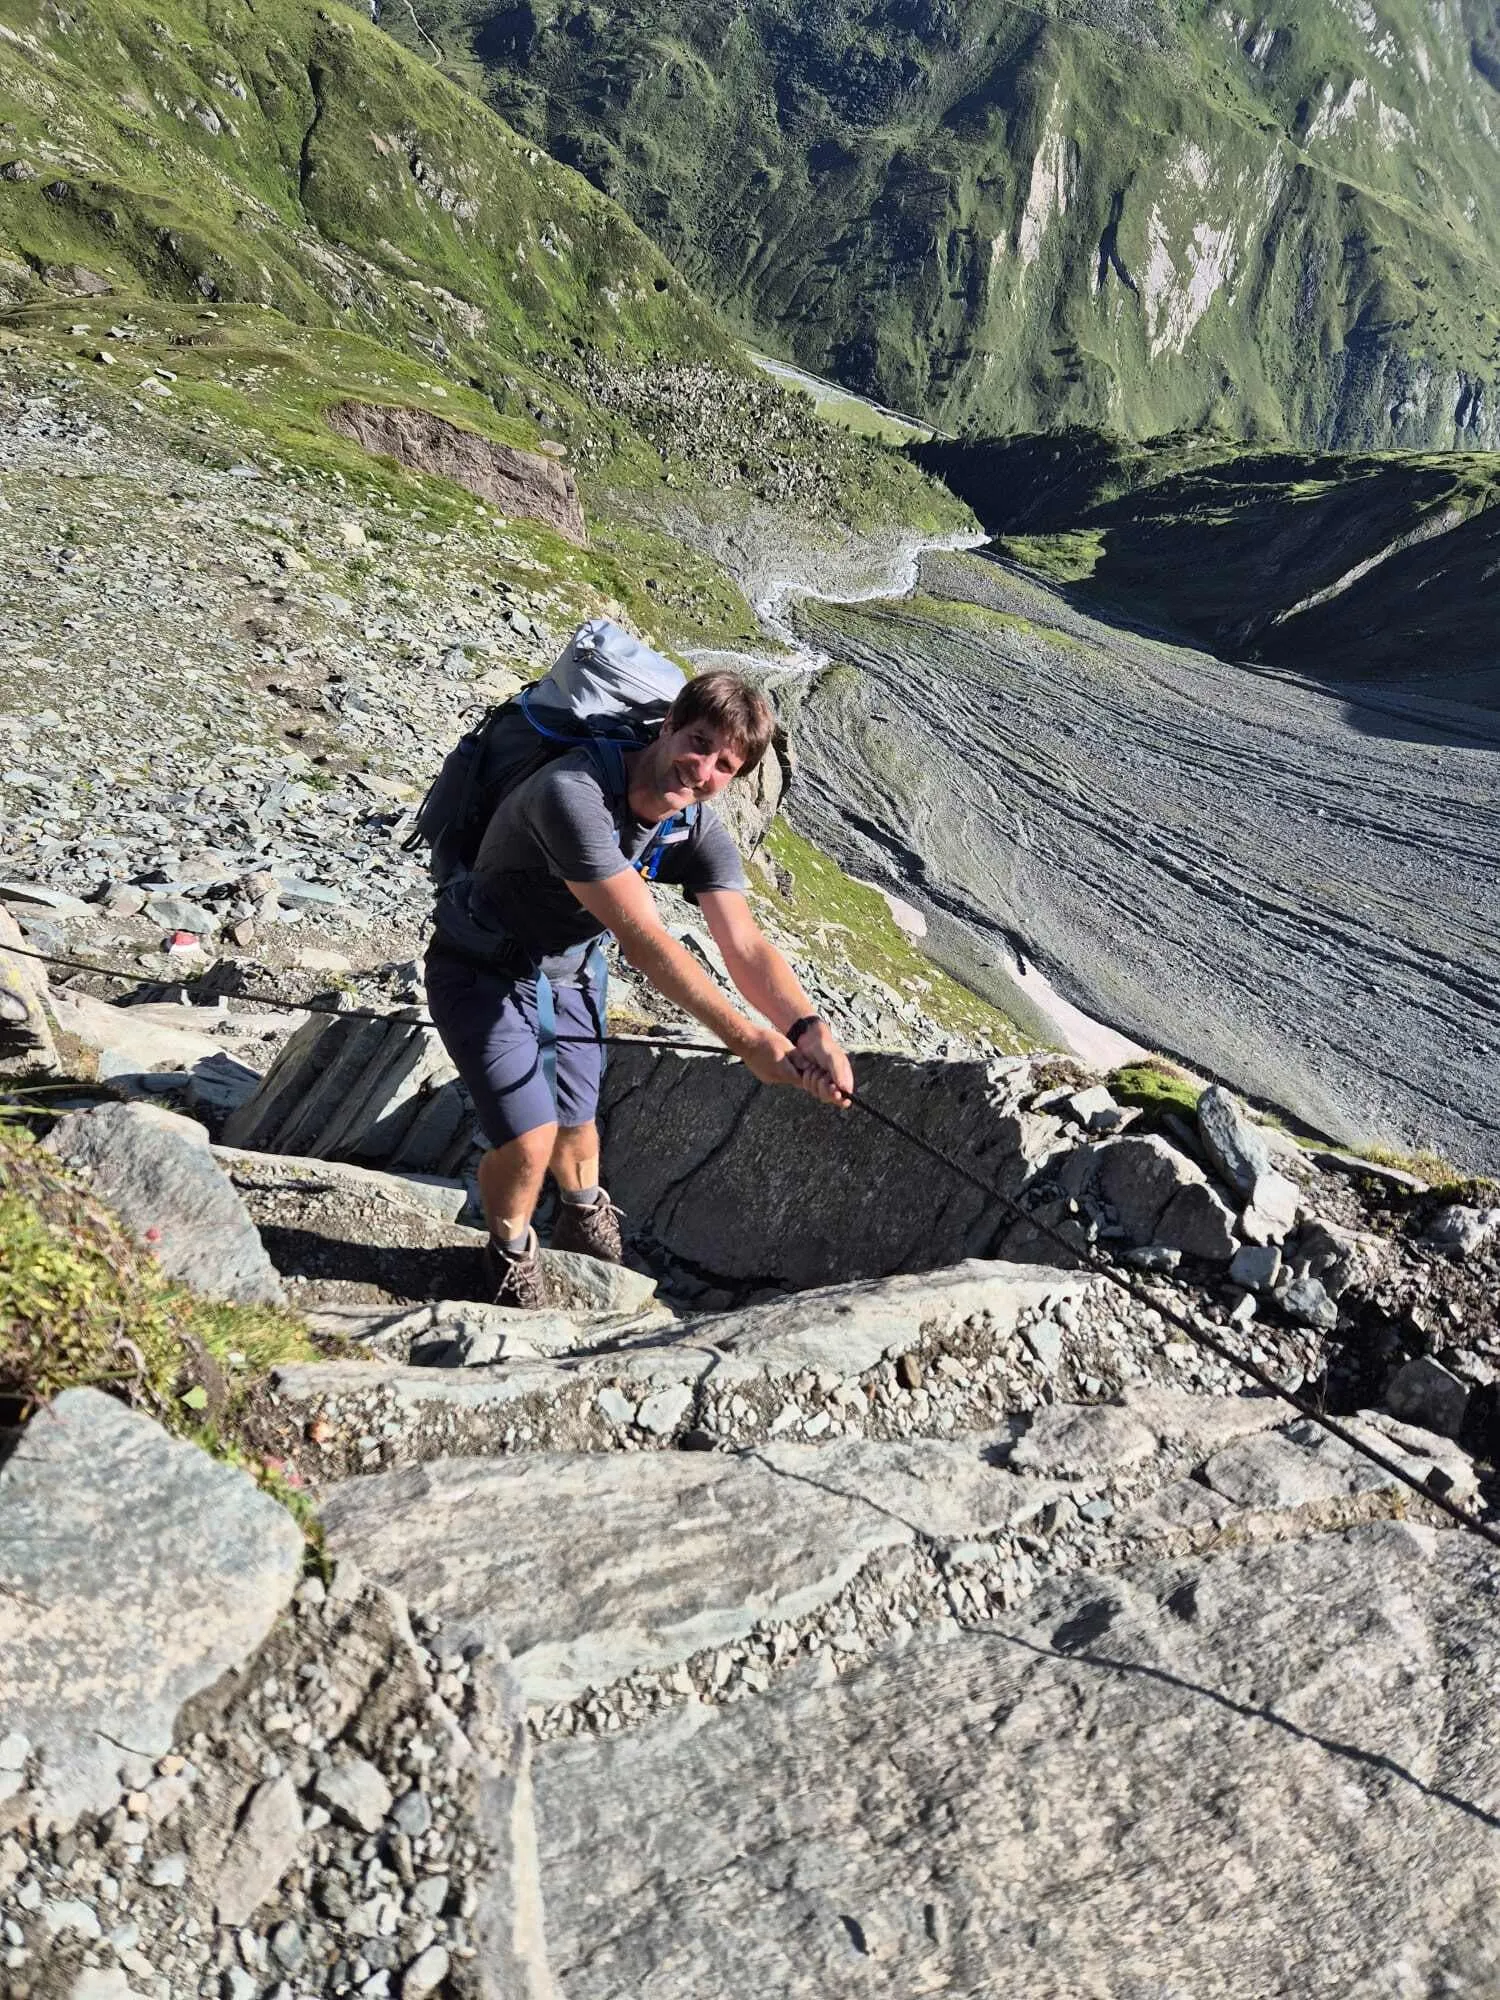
(623, 903)
(770, 985)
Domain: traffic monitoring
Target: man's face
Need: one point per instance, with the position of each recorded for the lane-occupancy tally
(693, 763)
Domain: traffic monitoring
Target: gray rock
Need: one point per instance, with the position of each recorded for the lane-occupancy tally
(1342, 1259)
(168, 1871)
(766, 1188)
(136, 1571)
(100, 1982)
(355, 1793)
(263, 1847)
(1424, 1392)
(1083, 1443)
(581, 1284)
(615, 1407)
(425, 1973)
(661, 1413)
(156, 1172)
(412, 1813)
(68, 1916)
(176, 913)
(1256, 1266)
(1232, 1142)
(1461, 1231)
(1305, 1303)
(1094, 1109)
(710, 1852)
(1199, 1224)
(587, 1568)
(429, 1896)
(1138, 1177)
(1271, 1213)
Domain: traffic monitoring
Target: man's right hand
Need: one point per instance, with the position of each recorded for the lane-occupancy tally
(771, 1058)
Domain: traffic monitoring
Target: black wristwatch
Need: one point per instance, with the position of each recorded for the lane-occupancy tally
(798, 1029)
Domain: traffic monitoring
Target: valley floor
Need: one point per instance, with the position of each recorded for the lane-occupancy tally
(1297, 892)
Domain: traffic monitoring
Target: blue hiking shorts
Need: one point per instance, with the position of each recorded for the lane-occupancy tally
(488, 1022)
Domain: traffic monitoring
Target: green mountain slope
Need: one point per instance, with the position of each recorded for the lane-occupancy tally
(1162, 215)
(1344, 568)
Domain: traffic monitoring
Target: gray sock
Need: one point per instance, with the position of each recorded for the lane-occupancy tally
(580, 1197)
(515, 1246)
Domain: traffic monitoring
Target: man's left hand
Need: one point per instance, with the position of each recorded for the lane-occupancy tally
(824, 1065)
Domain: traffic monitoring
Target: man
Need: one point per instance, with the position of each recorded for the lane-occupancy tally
(555, 872)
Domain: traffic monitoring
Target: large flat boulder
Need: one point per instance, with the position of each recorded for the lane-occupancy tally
(753, 1188)
(134, 1570)
(1270, 1771)
(156, 1172)
(590, 1567)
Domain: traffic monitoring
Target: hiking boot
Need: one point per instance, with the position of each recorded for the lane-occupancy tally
(514, 1278)
(593, 1231)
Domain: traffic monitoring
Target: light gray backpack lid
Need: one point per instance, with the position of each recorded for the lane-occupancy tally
(602, 671)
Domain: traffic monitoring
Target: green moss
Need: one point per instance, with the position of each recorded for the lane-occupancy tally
(1066, 558)
(837, 917)
(1156, 1087)
(83, 1306)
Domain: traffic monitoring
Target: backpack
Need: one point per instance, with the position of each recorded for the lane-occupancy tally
(607, 693)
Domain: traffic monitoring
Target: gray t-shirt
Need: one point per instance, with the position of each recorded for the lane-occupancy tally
(563, 826)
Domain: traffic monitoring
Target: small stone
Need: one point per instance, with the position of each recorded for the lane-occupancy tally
(1306, 1303)
(377, 1986)
(1256, 1266)
(1425, 1393)
(176, 913)
(287, 1947)
(909, 1371)
(660, 1414)
(615, 1407)
(1093, 1108)
(355, 1793)
(168, 1871)
(1045, 1342)
(101, 1982)
(236, 1984)
(14, 1750)
(1271, 1213)
(412, 1813)
(1237, 1149)
(1199, 1224)
(67, 1916)
(1462, 1231)
(431, 1893)
(425, 1973)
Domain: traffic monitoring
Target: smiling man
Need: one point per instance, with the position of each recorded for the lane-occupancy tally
(560, 865)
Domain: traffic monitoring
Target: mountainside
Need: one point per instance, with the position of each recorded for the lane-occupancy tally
(1374, 569)
(1141, 217)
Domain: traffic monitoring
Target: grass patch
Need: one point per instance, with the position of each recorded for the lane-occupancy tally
(840, 918)
(82, 1305)
(1067, 558)
(1156, 1087)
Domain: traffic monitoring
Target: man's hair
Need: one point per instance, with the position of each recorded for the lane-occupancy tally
(732, 708)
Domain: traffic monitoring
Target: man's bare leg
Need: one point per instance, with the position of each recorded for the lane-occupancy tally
(575, 1157)
(510, 1181)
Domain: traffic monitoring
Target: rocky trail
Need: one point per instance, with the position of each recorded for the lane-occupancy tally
(917, 1613)
(1295, 891)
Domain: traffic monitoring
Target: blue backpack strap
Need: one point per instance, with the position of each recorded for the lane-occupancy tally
(596, 993)
(546, 1032)
(650, 861)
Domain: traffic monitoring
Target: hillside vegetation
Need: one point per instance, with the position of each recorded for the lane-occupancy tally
(1346, 567)
(1140, 217)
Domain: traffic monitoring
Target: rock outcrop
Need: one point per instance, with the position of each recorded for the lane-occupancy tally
(156, 1171)
(133, 1571)
(520, 483)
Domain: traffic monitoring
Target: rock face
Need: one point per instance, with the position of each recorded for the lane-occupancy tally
(750, 1187)
(157, 1173)
(1269, 1732)
(520, 483)
(133, 1571)
(382, 1091)
(26, 1039)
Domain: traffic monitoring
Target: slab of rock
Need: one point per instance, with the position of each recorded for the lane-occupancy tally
(1461, 1231)
(590, 1567)
(156, 1172)
(260, 1851)
(26, 1037)
(134, 1570)
(1270, 1215)
(1423, 1391)
(522, 484)
(850, 1329)
(1196, 1222)
(430, 1193)
(1267, 1732)
(1235, 1145)
(1256, 1266)
(755, 1189)
(1138, 1178)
